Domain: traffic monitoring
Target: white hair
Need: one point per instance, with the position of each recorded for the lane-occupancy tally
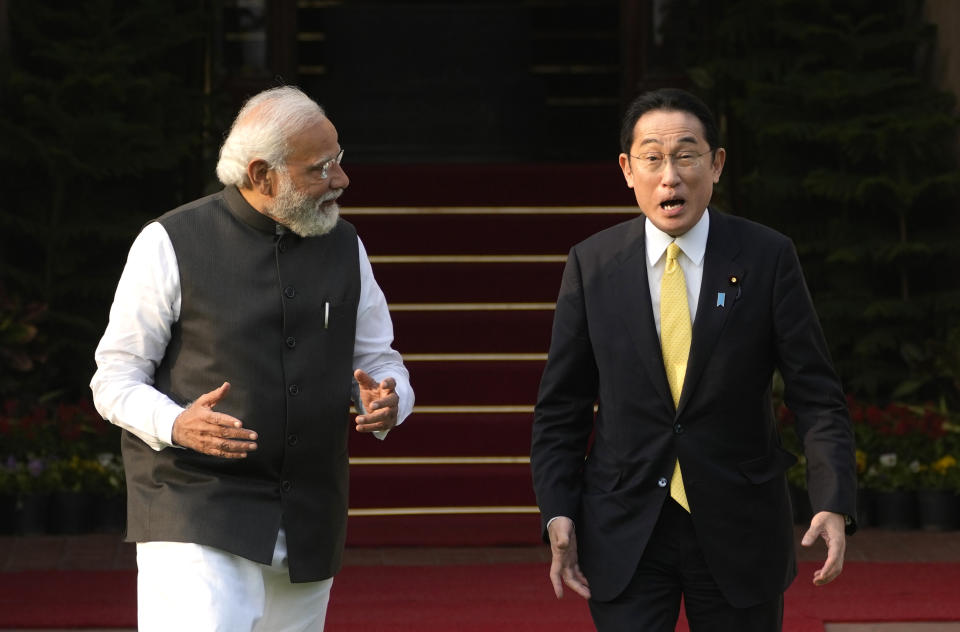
(262, 130)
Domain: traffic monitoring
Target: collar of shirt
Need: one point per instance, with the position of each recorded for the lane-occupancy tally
(693, 243)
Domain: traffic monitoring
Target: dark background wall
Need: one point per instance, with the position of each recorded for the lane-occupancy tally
(840, 122)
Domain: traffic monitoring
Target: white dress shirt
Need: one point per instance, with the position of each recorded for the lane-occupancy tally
(693, 245)
(147, 304)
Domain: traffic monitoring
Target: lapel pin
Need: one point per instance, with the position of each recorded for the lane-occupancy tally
(721, 298)
(735, 282)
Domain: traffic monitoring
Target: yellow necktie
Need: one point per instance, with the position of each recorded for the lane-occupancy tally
(675, 334)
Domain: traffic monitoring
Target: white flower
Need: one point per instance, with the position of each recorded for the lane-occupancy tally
(888, 460)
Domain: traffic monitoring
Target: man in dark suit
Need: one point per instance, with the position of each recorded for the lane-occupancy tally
(656, 458)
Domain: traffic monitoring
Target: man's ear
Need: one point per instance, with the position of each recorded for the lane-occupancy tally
(626, 169)
(262, 178)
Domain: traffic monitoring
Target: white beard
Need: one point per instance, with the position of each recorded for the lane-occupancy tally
(304, 215)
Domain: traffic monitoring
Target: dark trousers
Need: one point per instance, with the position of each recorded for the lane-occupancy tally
(673, 566)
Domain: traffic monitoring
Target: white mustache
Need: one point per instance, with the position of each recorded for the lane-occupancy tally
(330, 195)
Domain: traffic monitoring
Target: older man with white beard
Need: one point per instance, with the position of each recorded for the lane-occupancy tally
(243, 325)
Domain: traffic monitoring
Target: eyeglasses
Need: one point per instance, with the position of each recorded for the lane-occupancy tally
(653, 161)
(325, 168)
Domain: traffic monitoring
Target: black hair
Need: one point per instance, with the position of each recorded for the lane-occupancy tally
(671, 99)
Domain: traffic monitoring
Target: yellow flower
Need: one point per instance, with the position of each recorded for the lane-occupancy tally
(861, 461)
(943, 464)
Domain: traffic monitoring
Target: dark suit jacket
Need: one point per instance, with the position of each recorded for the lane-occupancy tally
(605, 351)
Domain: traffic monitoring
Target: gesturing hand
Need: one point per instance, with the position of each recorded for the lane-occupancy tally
(564, 567)
(828, 526)
(379, 401)
(201, 428)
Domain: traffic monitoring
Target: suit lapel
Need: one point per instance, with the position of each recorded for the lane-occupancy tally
(630, 277)
(718, 294)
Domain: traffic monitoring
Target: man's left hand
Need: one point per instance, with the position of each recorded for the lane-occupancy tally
(379, 401)
(830, 527)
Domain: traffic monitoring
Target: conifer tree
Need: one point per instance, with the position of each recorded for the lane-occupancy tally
(842, 142)
(101, 113)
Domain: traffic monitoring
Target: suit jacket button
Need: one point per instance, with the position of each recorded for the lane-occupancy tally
(286, 486)
(679, 429)
(662, 482)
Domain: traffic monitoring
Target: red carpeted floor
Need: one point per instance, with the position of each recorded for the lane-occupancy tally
(489, 597)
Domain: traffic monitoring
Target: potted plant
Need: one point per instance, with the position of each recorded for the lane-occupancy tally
(937, 495)
(904, 439)
(8, 495)
(36, 481)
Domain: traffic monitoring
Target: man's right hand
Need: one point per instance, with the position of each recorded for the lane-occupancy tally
(202, 429)
(564, 568)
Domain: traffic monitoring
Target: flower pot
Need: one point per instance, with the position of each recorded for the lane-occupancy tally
(35, 514)
(111, 513)
(866, 513)
(74, 512)
(939, 510)
(8, 514)
(896, 510)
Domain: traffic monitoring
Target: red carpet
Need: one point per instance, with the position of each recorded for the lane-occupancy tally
(485, 598)
(501, 184)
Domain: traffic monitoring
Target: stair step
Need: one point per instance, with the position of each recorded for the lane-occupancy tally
(475, 383)
(464, 529)
(450, 434)
(480, 231)
(501, 184)
(465, 331)
(474, 485)
(470, 282)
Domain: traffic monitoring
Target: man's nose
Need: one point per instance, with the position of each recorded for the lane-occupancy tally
(670, 175)
(338, 177)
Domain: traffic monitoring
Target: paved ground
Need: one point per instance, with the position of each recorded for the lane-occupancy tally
(107, 551)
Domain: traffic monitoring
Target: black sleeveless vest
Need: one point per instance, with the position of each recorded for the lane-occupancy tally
(275, 315)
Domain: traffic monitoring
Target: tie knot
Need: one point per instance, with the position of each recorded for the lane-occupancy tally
(673, 251)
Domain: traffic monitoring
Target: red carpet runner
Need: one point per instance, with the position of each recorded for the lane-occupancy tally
(471, 292)
(486, 598)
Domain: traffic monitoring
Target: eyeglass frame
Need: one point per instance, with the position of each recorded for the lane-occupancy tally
(673, 158)
(325, 167)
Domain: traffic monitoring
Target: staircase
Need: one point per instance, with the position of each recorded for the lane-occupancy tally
(471, 292)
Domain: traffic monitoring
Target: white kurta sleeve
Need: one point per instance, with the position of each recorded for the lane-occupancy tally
(146, 305)
(373, 351)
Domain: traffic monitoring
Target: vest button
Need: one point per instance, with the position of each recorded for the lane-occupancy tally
(282, 245)
(293, 439)
(679, 429)
(286, 486)
(289, 291)
(293, 389)
(291, 342)
(662, 482)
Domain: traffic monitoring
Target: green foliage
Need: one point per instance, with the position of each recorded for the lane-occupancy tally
(102, 115)
(58, 447)
(838, 139)
(19, 345)
(903, 447)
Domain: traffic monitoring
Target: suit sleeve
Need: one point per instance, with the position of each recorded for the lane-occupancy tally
(563, 416)
(812, 391)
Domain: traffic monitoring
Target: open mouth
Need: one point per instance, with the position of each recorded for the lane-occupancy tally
(674, 203)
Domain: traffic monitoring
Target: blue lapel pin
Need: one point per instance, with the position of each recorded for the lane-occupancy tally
(721, 298)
